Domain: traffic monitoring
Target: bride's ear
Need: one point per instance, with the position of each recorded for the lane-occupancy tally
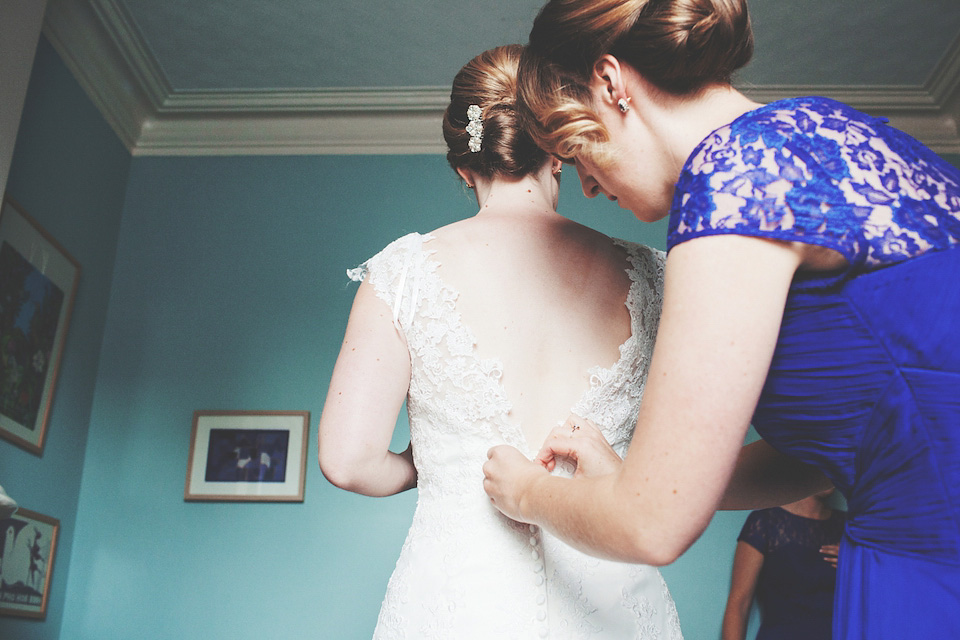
(467, 176)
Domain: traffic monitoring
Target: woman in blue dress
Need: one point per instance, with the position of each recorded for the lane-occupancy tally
(811, 288)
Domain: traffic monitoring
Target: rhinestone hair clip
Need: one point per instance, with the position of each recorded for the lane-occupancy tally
(474, 127)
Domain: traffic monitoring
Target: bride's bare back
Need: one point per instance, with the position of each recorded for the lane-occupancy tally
(543, 295)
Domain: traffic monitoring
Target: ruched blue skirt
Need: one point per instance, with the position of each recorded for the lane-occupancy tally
(865, 384)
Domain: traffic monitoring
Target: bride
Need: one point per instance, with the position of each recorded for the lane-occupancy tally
(480, 325)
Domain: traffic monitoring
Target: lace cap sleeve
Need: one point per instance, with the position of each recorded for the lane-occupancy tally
(817, 171)
(756, 531)
(395, 274)
(770, 174)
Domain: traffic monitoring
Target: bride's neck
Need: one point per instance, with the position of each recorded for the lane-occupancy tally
(531, 194)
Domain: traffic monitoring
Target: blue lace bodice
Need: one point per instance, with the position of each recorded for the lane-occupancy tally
(814, 170)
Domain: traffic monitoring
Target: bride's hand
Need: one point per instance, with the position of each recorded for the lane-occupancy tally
(507, 475)
(580, 440)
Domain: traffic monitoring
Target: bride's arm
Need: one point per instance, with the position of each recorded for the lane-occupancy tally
(723, 302)
(367, 389)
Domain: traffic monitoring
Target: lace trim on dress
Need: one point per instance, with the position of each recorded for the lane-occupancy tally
(615, 391)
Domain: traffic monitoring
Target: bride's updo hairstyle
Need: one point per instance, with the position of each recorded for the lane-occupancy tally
(504, 148)
(680, 46)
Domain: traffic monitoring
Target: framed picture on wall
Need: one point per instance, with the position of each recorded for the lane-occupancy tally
(38, 283)
(247, 456)
(26, 563)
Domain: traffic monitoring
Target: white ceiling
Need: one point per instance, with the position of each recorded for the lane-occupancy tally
(186, 77)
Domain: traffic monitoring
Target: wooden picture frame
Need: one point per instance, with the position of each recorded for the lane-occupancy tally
(247, 456)
(38, 285)
(29, 547)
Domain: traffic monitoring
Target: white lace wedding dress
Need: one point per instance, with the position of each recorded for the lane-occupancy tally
(467, 571)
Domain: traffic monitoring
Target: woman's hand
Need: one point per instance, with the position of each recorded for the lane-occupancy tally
(507, 476)
(579, 440)
(831, 553)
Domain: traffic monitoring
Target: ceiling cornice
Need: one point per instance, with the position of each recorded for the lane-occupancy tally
(103, 49)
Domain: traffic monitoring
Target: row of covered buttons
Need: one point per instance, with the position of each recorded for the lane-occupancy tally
(540, 580)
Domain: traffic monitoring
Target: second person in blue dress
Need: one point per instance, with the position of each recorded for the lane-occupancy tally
(786, 560)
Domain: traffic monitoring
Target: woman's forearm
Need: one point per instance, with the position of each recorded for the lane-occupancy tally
(747, 563)
(577, 510)
(764, 478)
(605, 517)
(735, 621)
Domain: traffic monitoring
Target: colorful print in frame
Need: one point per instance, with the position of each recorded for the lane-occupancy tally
(38, 284)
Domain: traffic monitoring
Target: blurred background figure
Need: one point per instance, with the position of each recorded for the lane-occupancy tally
(786, 557)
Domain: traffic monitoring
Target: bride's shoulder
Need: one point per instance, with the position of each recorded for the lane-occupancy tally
(464, 237)
(389, 259)
(402, 246)
(449, 233)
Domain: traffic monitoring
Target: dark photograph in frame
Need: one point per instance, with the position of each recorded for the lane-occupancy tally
(247, 456)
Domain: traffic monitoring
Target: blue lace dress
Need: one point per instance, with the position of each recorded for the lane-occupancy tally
(796, 585)
(865, 379)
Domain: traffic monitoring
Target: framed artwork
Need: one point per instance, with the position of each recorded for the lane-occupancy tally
(26, 563)
(247, 456)
(38, 283)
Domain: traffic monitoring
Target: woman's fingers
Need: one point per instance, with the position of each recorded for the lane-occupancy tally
(506, 474)
(831, 553)
(581, 441)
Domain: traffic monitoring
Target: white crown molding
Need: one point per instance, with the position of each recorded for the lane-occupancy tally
(131, 46)
(103, 49)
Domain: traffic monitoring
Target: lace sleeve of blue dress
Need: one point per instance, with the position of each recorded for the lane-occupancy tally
(814, 170)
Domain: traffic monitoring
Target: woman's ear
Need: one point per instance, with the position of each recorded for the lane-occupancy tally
(608, 81)
(556, 164)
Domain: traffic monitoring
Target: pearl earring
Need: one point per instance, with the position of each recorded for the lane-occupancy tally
(624, 104)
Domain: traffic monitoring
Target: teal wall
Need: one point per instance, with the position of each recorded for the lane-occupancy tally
(218, 283)
(69, 172)
(229, 292)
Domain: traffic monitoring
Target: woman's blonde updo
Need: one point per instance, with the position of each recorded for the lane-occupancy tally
(490, 81)
(680, 46)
